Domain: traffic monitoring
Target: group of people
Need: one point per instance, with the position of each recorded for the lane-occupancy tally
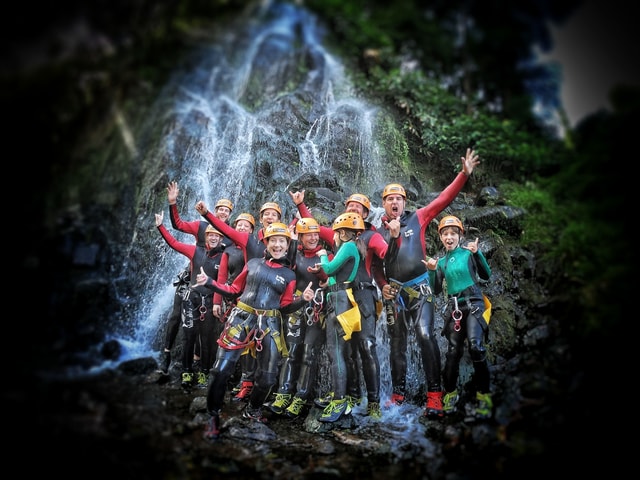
(268, 300)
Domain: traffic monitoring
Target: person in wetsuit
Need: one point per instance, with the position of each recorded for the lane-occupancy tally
(266, 286)
(196, 228)
(254, 246)
(343, 313)
(198, 321)
(305, 327)
(405, 233)
(231, 264)
(364, 343)
(456, 275)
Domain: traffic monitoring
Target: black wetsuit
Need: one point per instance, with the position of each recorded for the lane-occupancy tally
(267, 287)
(415, 302)
(305, 331)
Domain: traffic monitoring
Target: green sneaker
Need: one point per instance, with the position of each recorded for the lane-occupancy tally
(335, 410)
(187, 379)
(281, 402)
(484, 405)
(323, 402)
(353, 401)
(201, 380)
(295, 409)
(374, 411)
(449, 402)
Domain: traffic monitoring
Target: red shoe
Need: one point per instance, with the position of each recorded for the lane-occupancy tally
(395, 400)
(434, 405)
(244, 393)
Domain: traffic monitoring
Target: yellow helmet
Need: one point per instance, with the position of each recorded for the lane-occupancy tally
(223, 202)
(394, 188)
(210, 228)
(268, 205)
(361, 199)
(245, 216)
(307, 225)
(276, 228)
(450, 221)
(349, 220)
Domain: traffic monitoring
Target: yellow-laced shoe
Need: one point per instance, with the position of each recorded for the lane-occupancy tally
(335, 410)
(374, 411)
(484, 405)
(295, 409)
(281, 402)
(450, 401)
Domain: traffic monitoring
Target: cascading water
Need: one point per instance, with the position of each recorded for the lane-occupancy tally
(261, 110)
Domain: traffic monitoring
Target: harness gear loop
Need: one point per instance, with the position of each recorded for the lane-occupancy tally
(456, 314)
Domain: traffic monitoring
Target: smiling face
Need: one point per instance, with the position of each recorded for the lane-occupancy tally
(212, 239)
(309, 240)
(244, 226)
(393, 205)
(358, 208)
(450, 238)
(269, 216)
(223, 213)
(277, 246)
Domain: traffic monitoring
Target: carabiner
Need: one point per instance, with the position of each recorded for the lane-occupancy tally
(318, 297)
(456, 314)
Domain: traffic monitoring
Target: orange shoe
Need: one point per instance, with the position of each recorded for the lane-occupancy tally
(434, 405)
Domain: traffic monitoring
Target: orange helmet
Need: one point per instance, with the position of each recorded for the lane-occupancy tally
(394, 188)
(211, 228)
(223, 202)
(307, 225)
(276, 228)
(245, 216)
(361, 199)
(450, 221)
(349, 220)
(268, 205)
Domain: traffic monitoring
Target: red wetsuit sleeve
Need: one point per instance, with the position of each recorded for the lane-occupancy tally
(188, 250)
(223, 274)
(429, 212)
(179, 224)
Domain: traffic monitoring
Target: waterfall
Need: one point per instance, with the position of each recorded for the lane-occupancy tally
(260, 109)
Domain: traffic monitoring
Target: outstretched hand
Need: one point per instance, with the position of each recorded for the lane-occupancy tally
(469, 161)
(172, 192)
(159, 218)
(471, 246)
(297, 197)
